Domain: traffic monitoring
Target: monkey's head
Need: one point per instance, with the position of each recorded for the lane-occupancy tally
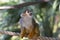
(27, 12)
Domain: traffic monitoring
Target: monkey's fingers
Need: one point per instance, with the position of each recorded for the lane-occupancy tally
(30, 35)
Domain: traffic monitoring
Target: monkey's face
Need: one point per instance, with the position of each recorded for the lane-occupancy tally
(26, 13)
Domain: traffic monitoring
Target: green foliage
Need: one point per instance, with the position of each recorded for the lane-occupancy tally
(8, 3)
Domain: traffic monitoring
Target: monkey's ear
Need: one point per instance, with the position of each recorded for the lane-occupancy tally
(21, 15)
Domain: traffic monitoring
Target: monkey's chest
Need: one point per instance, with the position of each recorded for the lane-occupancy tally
(27, 22)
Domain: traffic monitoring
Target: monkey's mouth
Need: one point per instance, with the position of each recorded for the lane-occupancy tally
(30, 13)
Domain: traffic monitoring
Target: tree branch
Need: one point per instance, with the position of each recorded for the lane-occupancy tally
(21, 5)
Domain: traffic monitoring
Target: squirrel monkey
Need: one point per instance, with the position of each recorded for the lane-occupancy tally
(29, 27)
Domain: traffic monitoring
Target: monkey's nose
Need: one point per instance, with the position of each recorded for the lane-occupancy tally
(30, 13)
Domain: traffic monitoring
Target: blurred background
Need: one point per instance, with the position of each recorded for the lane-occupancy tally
(46, 14)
